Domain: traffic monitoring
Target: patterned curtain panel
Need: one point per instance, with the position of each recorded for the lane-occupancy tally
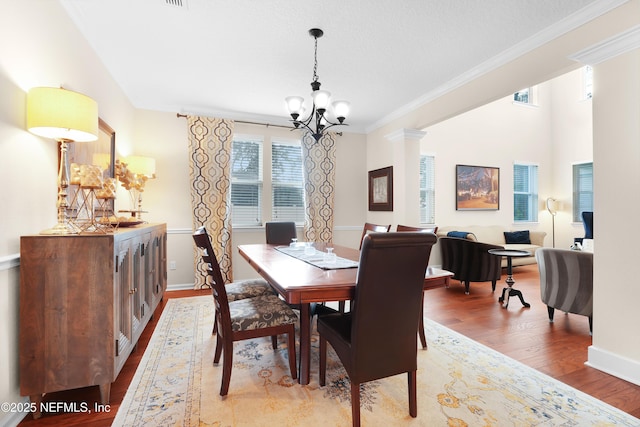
(319, 186)
(209, 169)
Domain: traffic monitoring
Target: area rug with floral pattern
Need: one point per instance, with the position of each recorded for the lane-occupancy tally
(460, 383)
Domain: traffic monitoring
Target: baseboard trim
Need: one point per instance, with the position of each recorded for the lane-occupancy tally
(613, 364)
(180, 287)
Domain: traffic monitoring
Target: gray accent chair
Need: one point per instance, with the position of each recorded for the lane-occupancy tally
(566, 281)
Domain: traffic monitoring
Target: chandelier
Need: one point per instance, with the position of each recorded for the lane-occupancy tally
(317, 122)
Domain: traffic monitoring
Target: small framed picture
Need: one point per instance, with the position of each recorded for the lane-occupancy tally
(381, 189)
(477, 188)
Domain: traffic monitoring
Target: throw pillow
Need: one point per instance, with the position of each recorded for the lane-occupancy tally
(521, 237)
(458, 234)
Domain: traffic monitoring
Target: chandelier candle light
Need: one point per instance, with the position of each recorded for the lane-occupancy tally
(317, 122)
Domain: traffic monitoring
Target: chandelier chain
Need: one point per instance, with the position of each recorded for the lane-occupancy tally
(315, 61)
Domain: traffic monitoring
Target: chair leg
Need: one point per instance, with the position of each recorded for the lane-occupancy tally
(466, 287)
(550, 310)
(341, 306)
(590, 325)
(355, 404)
(291, 344)
(423, 338)
(274, 341)
(226, 366)
(413, 401)
(322, 374)
(216, 356)
(493, 286)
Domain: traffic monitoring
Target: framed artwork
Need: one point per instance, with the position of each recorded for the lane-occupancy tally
(477, 188)
(381, 189)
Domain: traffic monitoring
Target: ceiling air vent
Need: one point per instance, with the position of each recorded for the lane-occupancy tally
(176, 3)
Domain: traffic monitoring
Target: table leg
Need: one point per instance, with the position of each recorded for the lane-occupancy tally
(305, 343)
(509, 291)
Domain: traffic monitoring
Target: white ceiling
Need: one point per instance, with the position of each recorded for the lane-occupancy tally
(240, 58)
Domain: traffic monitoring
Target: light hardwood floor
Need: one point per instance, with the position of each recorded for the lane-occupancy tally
(559, 349)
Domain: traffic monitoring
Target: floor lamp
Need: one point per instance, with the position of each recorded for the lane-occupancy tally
(65, 116)
(552, 207)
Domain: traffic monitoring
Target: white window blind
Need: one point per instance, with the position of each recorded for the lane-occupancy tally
(246, 182)
(525, 193)
(427, 190)
(287, 182)
(582, 190)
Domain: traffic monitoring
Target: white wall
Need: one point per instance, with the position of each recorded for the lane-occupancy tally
(572, 136)
(616, 152)
(39, 46)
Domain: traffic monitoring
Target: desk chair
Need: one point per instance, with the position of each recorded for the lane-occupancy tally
(377, 339)
(434, 230)
(261, 316)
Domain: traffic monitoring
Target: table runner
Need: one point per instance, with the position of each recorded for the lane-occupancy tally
(317, 259)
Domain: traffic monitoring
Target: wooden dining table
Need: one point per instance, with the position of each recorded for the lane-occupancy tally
(301, 283)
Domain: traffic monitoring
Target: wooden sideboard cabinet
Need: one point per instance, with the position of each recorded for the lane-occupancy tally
(84, 301)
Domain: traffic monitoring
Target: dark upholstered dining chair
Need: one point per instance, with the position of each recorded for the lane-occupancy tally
(280, 232)
(236, 290)
(373, 228)
(260, 316)
(403, 229)
(378, 339)
(368, 228)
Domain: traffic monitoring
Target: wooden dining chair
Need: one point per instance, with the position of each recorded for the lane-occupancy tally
(260, 316)
(236, 290)
(434, 230)
(378, 339)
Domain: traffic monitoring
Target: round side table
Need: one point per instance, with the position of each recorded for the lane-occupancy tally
(509, 291)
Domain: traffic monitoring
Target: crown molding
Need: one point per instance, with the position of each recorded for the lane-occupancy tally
(402, 135)
(587, 14)
(617, 45)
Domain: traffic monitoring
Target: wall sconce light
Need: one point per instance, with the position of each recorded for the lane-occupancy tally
(65, 116)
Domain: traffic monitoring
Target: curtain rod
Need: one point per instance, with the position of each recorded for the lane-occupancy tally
(246, 123)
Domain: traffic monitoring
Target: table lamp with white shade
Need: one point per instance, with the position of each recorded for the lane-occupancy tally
(64, 116)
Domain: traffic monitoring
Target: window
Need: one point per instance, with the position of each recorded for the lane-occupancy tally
(525, 193)
(582, 189)
(246, 181)
(427, 190)
(524, 96)
(587, 82)
(287, 182)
